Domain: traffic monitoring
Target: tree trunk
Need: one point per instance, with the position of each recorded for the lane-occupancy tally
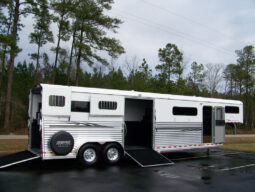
(78, 61)
(11, 67)
(235, 87)
(246, 94)
(70, 61)
(2, 66)
(169, 74)
(37, 64)
(4, 53)
(231, 85)
(240, 91)
(56, 57)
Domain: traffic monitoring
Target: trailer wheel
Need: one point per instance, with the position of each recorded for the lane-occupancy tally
(88, 154)
(112, 153)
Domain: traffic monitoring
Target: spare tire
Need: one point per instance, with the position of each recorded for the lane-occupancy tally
(62, 143)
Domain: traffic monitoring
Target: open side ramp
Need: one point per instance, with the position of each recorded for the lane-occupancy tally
(146, 157)
(16, 158)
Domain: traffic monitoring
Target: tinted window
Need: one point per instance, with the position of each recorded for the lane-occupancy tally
(219, 114)
(230, 109)
(187, 111)
(80, 106)
(57, 100)
(109, 105)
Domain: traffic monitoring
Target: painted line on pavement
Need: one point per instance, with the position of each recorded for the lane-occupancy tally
(205, 156)
(239, 167)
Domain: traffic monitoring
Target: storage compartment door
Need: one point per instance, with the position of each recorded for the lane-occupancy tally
(106, 105)
(219, 125)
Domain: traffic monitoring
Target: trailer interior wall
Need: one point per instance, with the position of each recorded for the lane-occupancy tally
(34, 121)
(207, 124)
(139, 122)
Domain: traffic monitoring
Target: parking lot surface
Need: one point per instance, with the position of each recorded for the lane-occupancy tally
(192, 171)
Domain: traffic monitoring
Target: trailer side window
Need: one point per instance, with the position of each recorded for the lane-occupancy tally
(109, 105)
(231, 109)
(80, 106)
(220, 117)
(185, 111)
(57, 100)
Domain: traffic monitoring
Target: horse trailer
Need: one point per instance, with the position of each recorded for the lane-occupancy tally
(90, 124)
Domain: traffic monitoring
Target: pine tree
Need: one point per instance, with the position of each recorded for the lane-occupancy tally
(197, 75)
(229, 76)
(41, 34)
(246, 61)
(171, 58)
(62, 13)
(19, 8)
(71, 54)
(91, 25)
(4, 34)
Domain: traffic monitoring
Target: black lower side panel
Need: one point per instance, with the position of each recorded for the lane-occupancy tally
(147, 157)
(16, 158)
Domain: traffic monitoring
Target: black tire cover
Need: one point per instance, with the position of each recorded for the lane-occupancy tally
(62, 143)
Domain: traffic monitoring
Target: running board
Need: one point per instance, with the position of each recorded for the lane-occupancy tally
(146, 157)
(16, 158)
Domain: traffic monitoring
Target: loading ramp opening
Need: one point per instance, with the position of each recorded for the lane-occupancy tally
(146, 157)
(16, 158)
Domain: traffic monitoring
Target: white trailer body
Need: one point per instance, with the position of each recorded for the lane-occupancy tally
(161, 122)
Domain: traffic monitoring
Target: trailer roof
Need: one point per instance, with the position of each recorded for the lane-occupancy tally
(138, 94)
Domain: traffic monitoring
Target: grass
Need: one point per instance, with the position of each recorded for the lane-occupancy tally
(239, 146)
(240, 140)
(13, 145)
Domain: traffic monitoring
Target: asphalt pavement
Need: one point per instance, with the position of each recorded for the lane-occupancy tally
(192, 171)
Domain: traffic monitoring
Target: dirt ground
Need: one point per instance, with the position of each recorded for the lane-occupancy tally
(13, 145)
(240, 143)
(23, 131)
(240, 140)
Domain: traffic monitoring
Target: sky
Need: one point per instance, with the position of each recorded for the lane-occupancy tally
(205, 31)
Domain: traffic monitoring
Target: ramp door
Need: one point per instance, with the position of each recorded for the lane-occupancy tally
(16, 158)
(146, 157)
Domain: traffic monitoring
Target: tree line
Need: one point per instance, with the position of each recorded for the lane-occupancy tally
(84, 21)
(88, 30)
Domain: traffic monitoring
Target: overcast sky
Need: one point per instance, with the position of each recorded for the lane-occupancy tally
(206, 31)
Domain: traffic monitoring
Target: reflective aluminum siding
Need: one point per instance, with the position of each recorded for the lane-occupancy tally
(100, 132)
(169, 134)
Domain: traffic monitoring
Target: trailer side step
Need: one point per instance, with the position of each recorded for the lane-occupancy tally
(16, 158)
(146, 157)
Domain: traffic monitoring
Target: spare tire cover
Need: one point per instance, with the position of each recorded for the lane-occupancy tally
(62, 143)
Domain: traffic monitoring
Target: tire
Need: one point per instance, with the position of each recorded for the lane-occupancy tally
(88, 154)
(62, 143)
(112, 153)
